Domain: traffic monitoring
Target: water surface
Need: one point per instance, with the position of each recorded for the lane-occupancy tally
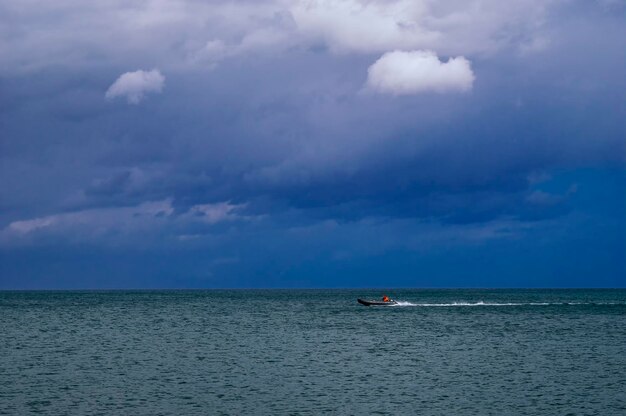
(442, 352)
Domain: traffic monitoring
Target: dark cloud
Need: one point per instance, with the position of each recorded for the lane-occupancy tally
(265, 138)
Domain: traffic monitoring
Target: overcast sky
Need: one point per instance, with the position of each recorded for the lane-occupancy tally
(312, 143)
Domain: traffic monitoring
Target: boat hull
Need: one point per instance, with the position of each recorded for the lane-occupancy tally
(365, 302)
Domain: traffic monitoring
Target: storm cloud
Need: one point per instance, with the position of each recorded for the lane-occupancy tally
(312, 141)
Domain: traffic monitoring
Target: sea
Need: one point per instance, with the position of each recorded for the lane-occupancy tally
(312, 352)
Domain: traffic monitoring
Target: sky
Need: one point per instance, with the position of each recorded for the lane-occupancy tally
(312, 143)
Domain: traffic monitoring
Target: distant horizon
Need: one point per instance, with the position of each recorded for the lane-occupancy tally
(139, 289)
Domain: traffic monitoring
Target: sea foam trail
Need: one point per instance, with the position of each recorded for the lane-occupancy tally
(481, 303)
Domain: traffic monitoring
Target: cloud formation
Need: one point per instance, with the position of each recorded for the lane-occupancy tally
(450, 27)
(354, 25)
(135, 85)
(119, 224)
(264, 130)
(400, 73)
(180, 33)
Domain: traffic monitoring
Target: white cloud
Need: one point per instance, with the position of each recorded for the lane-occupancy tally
(118, 224)
(134, 85)
(95, 220)
(400, 72)
(353, 25)
(28, 226)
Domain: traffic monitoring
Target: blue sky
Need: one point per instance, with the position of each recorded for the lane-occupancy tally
(292, 143)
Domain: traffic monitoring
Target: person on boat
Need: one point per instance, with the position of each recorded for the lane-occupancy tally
(386, 298)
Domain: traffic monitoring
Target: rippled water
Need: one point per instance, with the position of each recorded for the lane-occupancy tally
(441, 352)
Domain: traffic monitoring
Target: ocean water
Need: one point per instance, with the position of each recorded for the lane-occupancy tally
(275, 352)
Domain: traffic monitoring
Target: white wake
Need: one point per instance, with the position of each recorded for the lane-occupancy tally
(481, 303)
